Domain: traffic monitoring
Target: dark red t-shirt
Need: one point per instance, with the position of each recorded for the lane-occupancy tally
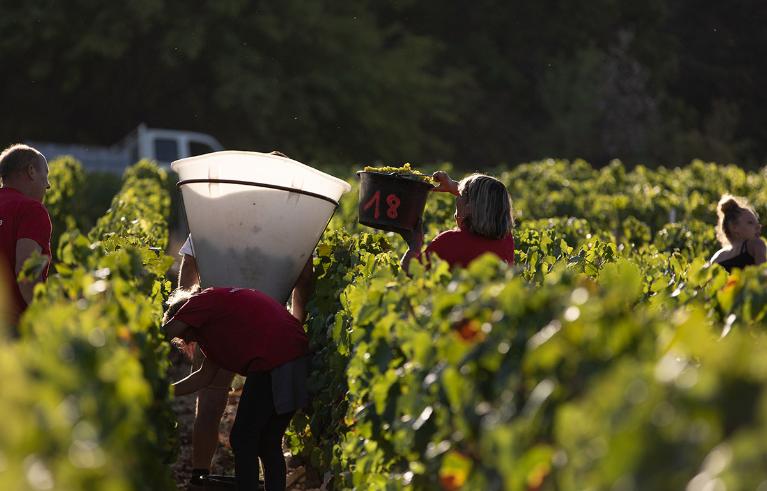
(244, 330)
(460, 247)
(21, 217)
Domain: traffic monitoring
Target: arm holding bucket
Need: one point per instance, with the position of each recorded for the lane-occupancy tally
(414, 241)
(414, 238)
(446, 184)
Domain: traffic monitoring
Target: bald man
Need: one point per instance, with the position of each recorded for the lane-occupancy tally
(25, 226)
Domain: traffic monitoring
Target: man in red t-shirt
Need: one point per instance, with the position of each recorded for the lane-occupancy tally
(25, 226)
(247, 332)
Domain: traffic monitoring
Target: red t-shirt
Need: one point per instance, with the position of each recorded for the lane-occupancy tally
(244, 330)
(21, 217)
(460, 247)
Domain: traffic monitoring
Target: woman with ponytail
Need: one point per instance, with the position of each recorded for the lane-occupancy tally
(738, 230)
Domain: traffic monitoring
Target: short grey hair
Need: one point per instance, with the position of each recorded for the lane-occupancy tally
(18, 157)
(488, 206)
(178, 299)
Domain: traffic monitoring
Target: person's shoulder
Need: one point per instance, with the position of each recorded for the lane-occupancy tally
(209, 292)
(30, 205)
(756, 246)
(716, 258)
(218, 290)
(448, 236)
(11, 195)
(8, 200)
(210, 296)
(33, 218)
(39, 206)
(468, 235)
(453, 232)
(235, 292)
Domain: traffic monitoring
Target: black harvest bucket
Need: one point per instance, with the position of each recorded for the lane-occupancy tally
(391, 202)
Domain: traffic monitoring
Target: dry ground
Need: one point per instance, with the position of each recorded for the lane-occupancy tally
(223, 460)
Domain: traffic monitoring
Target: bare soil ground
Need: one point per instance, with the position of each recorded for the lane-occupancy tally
(223, 460)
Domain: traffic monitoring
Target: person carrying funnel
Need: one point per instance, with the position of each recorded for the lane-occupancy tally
(247, 332)
(212, 400)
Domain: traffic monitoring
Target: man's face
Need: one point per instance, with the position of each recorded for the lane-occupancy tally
(39, 176)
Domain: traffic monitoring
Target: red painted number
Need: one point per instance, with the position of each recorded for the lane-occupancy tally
(392, 200)
(376, 199)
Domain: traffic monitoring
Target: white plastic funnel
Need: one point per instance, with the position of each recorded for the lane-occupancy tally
(255, 218)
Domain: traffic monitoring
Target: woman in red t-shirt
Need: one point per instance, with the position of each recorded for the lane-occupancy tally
(247, 332)
(483, 214)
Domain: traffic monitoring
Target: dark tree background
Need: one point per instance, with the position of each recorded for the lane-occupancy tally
(477, 83)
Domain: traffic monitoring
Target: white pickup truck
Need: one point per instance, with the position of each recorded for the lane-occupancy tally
(163, 146)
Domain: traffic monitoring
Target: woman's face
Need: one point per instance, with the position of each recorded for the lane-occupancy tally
(460, 211)
(746, 227)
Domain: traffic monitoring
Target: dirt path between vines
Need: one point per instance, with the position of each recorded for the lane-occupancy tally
(223, 460)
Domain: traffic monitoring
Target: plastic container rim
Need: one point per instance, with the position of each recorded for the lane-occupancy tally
(257, 184)
(177, 164)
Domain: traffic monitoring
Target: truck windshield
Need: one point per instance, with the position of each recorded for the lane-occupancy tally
(166, 150)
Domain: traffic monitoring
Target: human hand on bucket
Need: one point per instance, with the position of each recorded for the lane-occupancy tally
(445, 184)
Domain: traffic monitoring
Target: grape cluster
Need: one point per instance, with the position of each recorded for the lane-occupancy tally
(404, 171)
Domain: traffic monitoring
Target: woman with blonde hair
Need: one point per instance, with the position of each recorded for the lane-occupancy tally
(738, 230)
(483, 215)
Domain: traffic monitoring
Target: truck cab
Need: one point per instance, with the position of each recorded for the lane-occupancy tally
(165, 146)
(161, 145)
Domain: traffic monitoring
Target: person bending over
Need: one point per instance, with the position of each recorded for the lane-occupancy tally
(211, 401)
(247, 332)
